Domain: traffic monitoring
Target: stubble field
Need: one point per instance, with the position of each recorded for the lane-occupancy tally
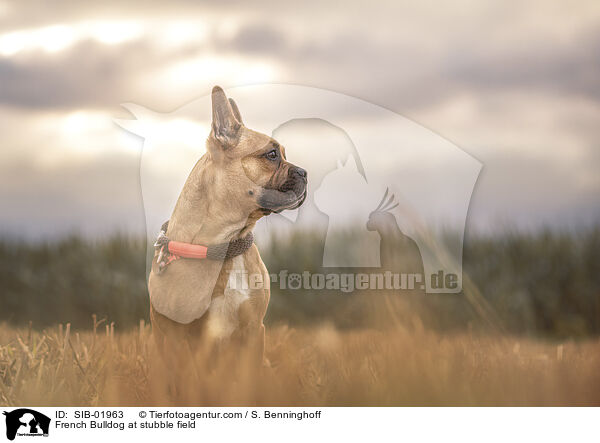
(308, 366)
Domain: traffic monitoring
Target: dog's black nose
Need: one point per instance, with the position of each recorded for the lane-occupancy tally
(301, 172)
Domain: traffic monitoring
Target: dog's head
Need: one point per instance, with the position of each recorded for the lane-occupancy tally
(257, 172)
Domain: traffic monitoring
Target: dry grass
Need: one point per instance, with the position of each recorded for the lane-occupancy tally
(309, 366)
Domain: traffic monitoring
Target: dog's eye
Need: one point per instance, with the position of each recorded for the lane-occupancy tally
(272, 154)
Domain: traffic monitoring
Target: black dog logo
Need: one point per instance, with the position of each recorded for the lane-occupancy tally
(26, 422)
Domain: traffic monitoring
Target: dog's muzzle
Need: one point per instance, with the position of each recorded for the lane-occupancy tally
(289, 195)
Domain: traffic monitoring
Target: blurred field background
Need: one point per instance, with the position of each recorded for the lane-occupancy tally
(523, 332)
(544, 284)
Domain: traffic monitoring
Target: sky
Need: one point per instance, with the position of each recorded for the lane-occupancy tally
(516, 85)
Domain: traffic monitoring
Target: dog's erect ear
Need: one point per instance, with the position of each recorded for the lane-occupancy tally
(225, 125)
(236, 111)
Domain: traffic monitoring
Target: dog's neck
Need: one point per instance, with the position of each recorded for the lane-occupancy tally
(204, 233)
(198, 218)
(207, 232)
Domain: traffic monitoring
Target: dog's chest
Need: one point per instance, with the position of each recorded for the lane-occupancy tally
(223, 312)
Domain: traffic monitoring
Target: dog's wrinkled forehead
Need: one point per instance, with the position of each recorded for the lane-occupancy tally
(252, 142)
(255, 143)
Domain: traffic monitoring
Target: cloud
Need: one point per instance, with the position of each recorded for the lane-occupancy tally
(87, 75)
(395, 63)
(569, 69)
(515, 84)
(259, 38)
